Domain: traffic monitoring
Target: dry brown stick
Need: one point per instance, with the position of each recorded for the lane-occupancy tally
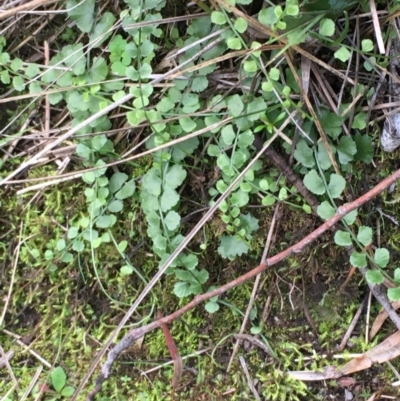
(173, 350)
(352, 325)
(24, 7)
(342, 211)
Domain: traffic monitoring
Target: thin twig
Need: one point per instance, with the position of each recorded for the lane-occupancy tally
(14, 269)
(351, 327)
(248, 377)
(255, 287)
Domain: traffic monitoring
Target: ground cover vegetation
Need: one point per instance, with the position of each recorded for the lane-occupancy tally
(154, 151)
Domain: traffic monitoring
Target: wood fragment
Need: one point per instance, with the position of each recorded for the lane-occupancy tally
(173, 351)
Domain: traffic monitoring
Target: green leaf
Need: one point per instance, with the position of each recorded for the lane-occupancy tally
(141, 90)
(67, 391)
(18, 83)
(165, 105)
(245, 139)
(182, 289)
(249, 223)
(83, 15)
(122, 246)
(250, 66)
(323, 157)
(221, 186)
(292, 7)
(116, 181)
(235, 105)
(396, 275)
(240, 25)
(211, 307)
(268, 200)
(89, 177)
(5, 76)
(89, 193)
(367, 45)
(200, 275)
(245, 186)
(239, 157)
(325, 210)
(32, 70)
(184, 275)
(199, 83)
(35, 87)
(234, 43)
(73, 232)
(67, 257)
(326, 27)
(346, 149)
(58, 378)
(343, 54)
(126, 270)
(282, 194)
(190, 99)
(274, 73)
(358, 259)
(381, 257)
(105, 221)
(365, 235)
(264, 185)
(267, 16)
(336, 185)
(84, 222)
(4, 58)
(267, 86)
(213, 150)
(168, 199)
(332, 123)
(239, 198)
(303, 154)
(115, 206)
(314, 183)
(365, 150)
(172, 220)
(394, 294)
(48, 255)
(374, 277)
(218, 18)
(100, 171)
(160, 242)
(16, 64)
(189, 261)
(342, 238)
(127, 190)
(152, 182)
(73, 57)
(255, 108)
(61, 244)
(102, 30)
(175, 176)
(350, 218)
(360, 121)
(227, 134)
(231, 247)
(187, 124)
(98, 142)
(224, 163)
